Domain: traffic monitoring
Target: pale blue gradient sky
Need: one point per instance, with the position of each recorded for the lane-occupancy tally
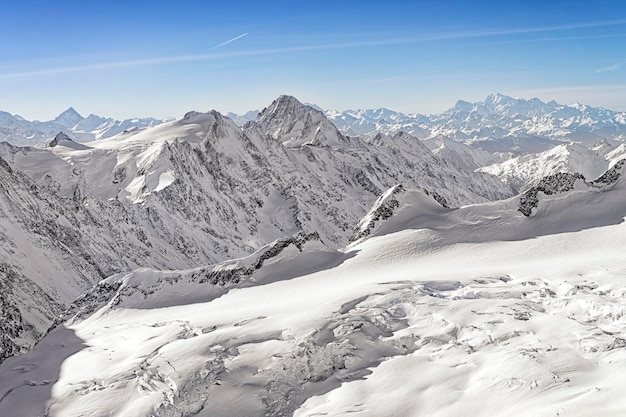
(140, 58)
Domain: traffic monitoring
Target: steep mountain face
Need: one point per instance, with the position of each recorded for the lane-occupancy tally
(504, 313)
(497, 124)
(200, 190)
(45, 262)
(20, 132)
(295, 124)
(526, 171)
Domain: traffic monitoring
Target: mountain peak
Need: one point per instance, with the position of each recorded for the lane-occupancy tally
(285, 98)
(463, 105)
(284, 105)
(70, 111)
(68, 118)
(296, 124)
(497, 98)
(287, 104)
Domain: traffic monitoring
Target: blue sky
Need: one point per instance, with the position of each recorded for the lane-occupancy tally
(140, 58)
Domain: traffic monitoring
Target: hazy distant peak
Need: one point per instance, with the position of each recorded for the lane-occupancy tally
(463, 106)
(69, 118)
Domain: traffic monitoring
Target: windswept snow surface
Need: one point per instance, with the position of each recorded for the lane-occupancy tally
(475, 311)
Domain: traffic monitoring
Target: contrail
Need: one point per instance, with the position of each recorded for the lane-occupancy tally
(232, 40)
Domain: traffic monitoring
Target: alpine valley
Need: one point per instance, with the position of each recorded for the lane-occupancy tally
(302, 262)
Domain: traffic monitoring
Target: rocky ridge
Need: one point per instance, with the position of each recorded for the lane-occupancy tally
(563, 182)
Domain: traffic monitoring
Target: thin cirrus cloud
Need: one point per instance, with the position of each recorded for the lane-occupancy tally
(613, 67)
(483, 33)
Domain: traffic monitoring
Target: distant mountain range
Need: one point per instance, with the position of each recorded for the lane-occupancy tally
(497, 124)
(21, 132)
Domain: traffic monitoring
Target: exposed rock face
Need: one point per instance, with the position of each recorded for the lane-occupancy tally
(552, 184)
(611, 175)
(26, 306)
(382, 209)
(563, 182)
(59, 137)
(438, 198)
(389, 204)
(17, 331)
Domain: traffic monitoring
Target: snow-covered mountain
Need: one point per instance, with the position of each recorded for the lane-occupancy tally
(241, 120)
(21, 132)
(526, 171)
(462, 155)
(197, 191)
(367, 121)
(497, 124)
(485, 310)
(68, 119)
(295, 124)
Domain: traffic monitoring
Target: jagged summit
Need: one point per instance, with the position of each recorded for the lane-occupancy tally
(296, 124)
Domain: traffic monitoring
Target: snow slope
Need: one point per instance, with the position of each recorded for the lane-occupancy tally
(478, 311)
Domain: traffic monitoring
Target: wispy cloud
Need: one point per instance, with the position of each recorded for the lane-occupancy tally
(229, 41)
(552, 39)
(613, 67)
(482, 33)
